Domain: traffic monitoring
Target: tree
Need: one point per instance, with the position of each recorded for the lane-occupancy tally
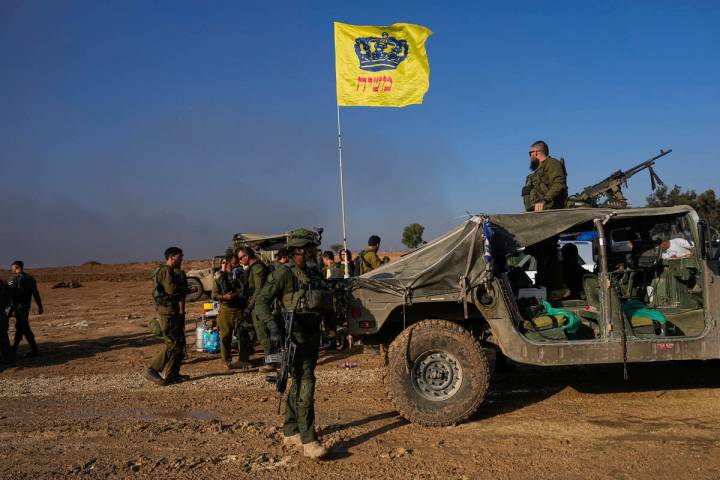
(412, 235)
(706, 204)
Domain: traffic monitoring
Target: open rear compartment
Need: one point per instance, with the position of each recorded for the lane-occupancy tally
(654, 271)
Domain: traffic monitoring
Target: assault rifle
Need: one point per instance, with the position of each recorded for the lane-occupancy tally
(608, 192)
(287, 356)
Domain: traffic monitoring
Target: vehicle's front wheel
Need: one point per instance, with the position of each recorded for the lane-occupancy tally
(195, 288)
(437, 373)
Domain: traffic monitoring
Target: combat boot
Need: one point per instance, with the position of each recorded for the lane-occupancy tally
(152, 375)
(314, 450)
(239, 365)
(292, 440)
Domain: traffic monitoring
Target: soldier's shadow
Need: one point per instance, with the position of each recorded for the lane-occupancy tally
(61, 352)
(340, 450)
(528, 385)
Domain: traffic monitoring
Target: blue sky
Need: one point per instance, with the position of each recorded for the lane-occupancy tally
(130, 126)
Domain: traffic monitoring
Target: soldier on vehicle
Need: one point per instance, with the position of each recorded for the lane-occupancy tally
(4, 322)
(229, 293)
(546, 186)
(572, 271)
(546, 189)
(368, 258)
(169, 291)
(23, 289)
(294, 285)
(256, 275)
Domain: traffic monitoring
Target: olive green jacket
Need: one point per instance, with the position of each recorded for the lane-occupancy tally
(287, 283)
(23, 289)
(223, 283)
(174, 285)
(547, 184)
(256, 276)
(369, 261)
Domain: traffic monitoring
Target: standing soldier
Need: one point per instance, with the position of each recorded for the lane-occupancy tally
(281, 257)
(256, 276)
(23, 289)
(368, 258)
(169, 291)
(546, 186)
(546, 189)
(227, 289)
(4, 322)
(298, 289)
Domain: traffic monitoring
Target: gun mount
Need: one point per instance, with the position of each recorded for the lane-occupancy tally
(608, 192)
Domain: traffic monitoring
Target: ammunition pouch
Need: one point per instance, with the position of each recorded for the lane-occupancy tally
(318, 301)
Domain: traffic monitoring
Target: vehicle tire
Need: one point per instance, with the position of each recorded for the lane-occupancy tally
(437, 373)
(196, 290)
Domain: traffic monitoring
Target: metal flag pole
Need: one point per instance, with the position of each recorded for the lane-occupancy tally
(342, 196)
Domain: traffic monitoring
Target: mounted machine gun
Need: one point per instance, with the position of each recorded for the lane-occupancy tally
(608, 192)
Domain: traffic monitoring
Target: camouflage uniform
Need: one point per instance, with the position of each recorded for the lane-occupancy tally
(547, 184)
(256, 276)
(289, 284)
(23, 289)
(4, 322)
(369, 261)
(169, 293)
(230, 315)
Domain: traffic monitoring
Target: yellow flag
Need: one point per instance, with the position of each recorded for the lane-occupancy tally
(381, 66)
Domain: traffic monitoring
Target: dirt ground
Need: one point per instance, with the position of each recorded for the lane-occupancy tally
(83, 410)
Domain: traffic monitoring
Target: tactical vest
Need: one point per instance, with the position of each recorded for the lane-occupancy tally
(164, 299)
(307, 294)
(535, 190)
(21, 289)
(228, 284)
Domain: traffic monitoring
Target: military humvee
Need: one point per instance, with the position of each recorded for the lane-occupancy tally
(200, 280)
(451, 308)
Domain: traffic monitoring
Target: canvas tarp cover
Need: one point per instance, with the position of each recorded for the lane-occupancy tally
(437, 267)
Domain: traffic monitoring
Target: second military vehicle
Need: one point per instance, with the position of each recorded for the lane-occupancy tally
(200, 280)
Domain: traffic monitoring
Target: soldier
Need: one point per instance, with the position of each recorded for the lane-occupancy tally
(546, 189)
(169, 291)
(347, 254)
(546, 186)
(331, 269)
(292, 285)
(257, 273)
(282, 257)
(23, 289)
(368, 258)
(228, 290)
(4, 322)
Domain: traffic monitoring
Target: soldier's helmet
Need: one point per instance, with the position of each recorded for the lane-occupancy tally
(302, 237)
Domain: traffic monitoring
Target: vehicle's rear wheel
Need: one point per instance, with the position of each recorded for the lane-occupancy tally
(437, 373)
(196, 290)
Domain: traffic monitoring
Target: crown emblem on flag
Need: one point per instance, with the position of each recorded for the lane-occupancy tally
(380, 53)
